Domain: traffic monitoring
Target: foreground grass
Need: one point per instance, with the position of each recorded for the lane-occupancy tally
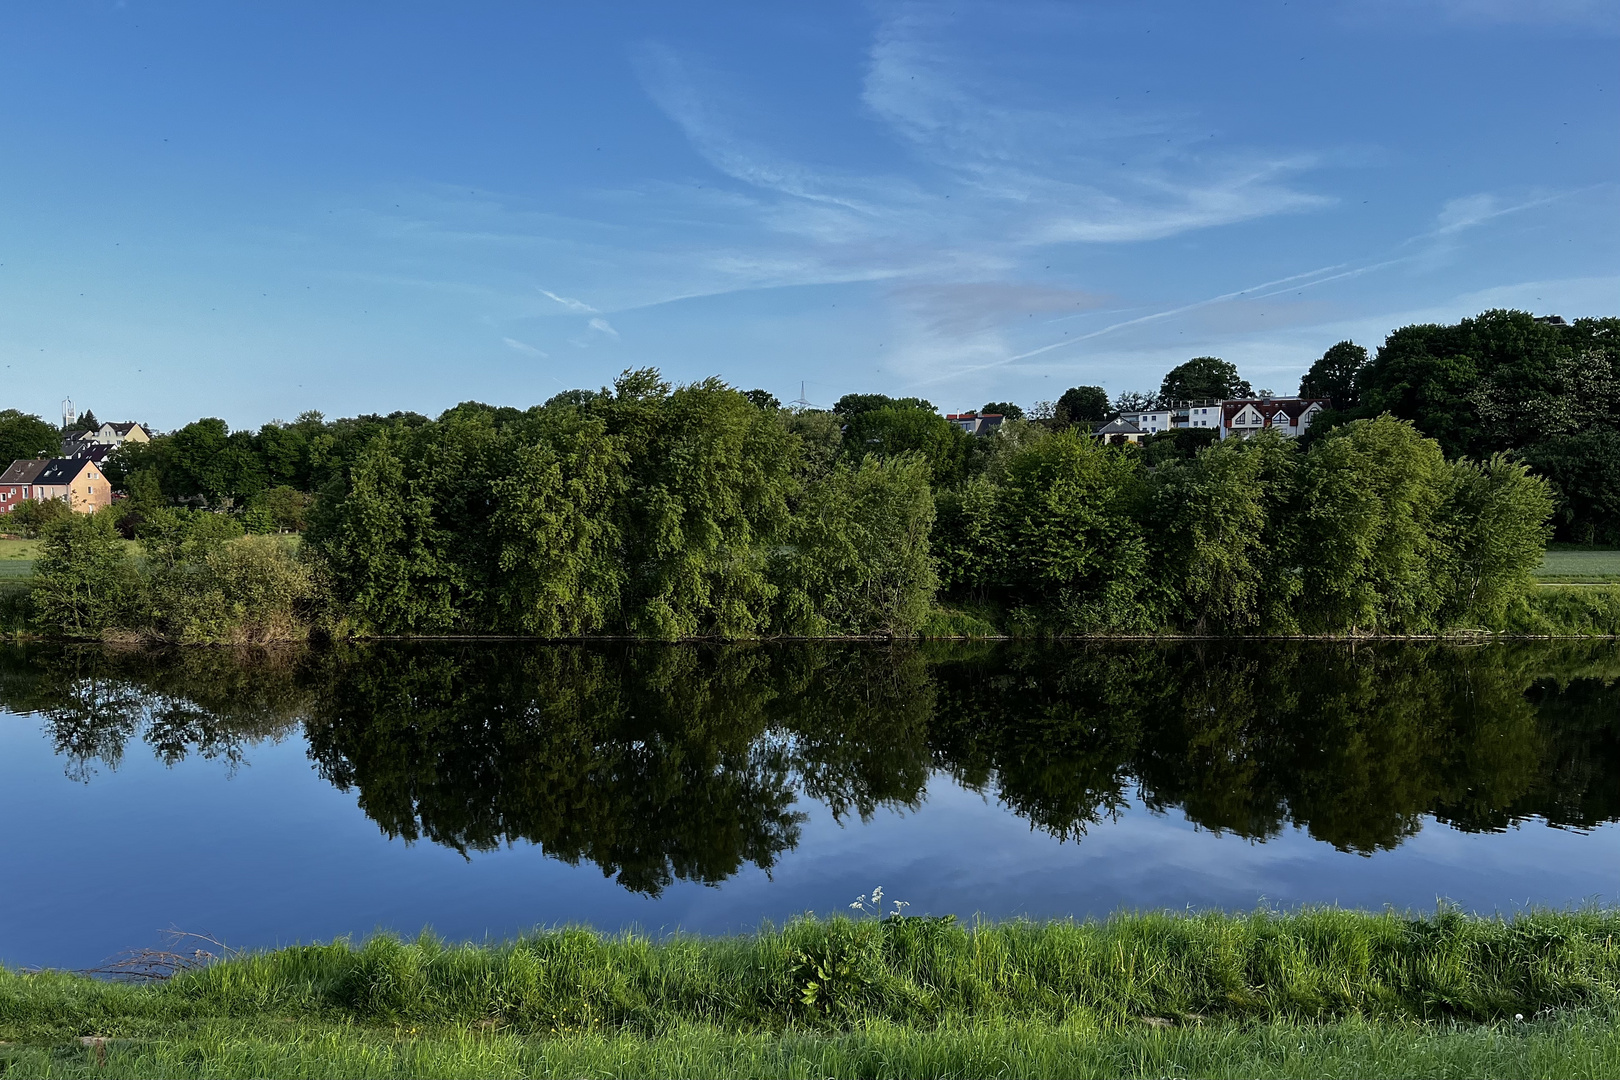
(1321, 992)
(1582, 1046)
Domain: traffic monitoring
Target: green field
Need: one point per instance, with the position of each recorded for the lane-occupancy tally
(1318, 993)
(1573, 565)
(17, 557)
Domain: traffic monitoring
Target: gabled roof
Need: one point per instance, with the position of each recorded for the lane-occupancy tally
(1294, 408)
(61, 470)
(1277, 410)
(24, 470)
(126, 427)
(96, 452)
(1119, 427)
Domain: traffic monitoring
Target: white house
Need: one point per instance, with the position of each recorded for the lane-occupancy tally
(1290, 416)
(1207, 415)
(1149, 422)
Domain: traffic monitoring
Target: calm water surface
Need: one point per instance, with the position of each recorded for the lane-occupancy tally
(482, 790)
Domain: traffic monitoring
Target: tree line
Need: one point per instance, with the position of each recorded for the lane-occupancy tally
(648, 509)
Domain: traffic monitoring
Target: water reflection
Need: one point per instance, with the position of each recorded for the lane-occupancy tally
(664, 763)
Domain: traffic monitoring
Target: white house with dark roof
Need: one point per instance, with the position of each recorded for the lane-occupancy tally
(1120, 431)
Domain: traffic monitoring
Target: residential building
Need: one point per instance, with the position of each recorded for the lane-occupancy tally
(75, 481)
(17, 482)
(109, 435)
(1118, 432)
(1289, 416)
(1202, 414)
(976, 423)
(1150, 422)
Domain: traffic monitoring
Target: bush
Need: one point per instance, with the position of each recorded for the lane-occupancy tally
(32, 517)
(84, 583)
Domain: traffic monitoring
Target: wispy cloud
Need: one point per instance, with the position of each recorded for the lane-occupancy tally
(1471, 210)
(602, 326)
(570, 303)
(523, 347)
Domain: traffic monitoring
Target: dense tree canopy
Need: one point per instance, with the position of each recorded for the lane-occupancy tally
(1507, 381)
(1082, 404)
(1202, 378)
(1334, 375)
(665, 511)
(24, 435)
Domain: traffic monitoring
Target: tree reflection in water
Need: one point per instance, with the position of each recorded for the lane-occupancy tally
(685, 762)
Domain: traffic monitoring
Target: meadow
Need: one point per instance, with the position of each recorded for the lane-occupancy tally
(1580, 565)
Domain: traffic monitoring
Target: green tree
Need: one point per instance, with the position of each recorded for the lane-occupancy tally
(892, 431)
(851, 404)
(1334, 375)
(1493, 526)
(711, 475)
(1370, 495)
(1071, 539)
(84, 584)
(380, 538)
(24, 435)
(1219, 552)
(1003, 408)
(1202, 378)
(857, 554)
(1082, 404)
(559, 540)
(1135, 401)
(278, 509)
(1585, 472)
(763, 399)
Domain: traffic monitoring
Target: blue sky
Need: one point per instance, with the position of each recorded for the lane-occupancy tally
(247, 210)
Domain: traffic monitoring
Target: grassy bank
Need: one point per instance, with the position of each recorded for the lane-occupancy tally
(1580, 565)
(1317, 992)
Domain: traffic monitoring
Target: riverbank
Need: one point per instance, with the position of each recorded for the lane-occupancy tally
(1314, 993)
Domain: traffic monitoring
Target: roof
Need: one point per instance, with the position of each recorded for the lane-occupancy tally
(24, 471)
(126, 427)
(1290, 409)
(61, 470)
(1119, 427)
(96, 452)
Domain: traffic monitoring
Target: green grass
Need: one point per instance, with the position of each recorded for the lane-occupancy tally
(17, 558)
(1581, 1046)
(1592, 566)
(1321, 992)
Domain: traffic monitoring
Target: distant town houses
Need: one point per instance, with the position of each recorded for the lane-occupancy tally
(96, 444)
(76, 481)
(1233, 417)
(75, 477)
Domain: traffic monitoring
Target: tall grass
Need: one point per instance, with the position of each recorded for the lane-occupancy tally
(914, 973)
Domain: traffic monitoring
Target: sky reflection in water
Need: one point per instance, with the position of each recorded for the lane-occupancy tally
(698, 787)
